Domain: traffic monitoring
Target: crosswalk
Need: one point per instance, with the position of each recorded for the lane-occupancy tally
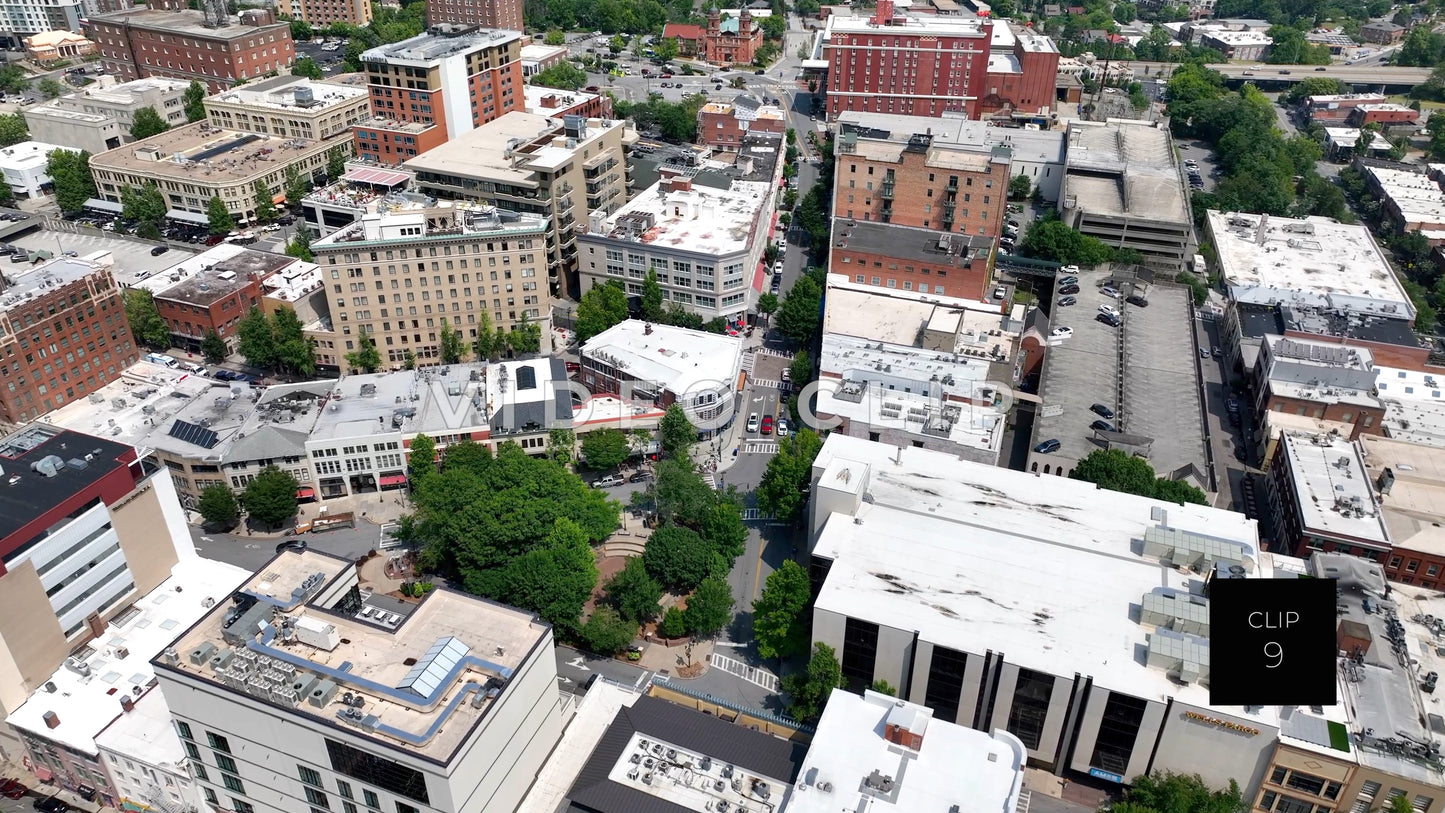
(760, 447)
(767, 382)
(766, 351)
(753, 675)
(754, 514)
(710, 480)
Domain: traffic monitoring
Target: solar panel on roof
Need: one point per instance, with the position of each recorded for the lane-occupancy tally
(193, 434)
(432, 668)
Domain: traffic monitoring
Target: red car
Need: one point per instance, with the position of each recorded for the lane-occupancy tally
(767, 425)
(11, 789)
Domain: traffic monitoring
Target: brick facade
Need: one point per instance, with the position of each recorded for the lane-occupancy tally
(504, 14)
(168, 40)
(967, 193)
(891, 69)
(189, 322)
(721, 125)
(966, 278)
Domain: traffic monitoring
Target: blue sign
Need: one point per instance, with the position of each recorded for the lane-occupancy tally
(1112, 777)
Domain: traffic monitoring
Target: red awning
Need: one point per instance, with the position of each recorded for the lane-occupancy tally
(761, 278)
(305, 494)
(393, 479)
(43, 773)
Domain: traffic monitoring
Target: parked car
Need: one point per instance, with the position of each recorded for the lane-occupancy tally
(572, 366)
(1067, 301)
(610, 481)
(753, 422)
(1204, 354)
(1138, 301)
(159, 250)
(1061, 332)
(11, 789)
(640, 477)
(1216, 352)
(1000, 293)
(1069, 289)
(51, 804)
(1048, 447)
(1111, 321)
(1103, 426)
(783, 430)
(767, 425)
(1102, 411)
(1069, 280)
(297, 545)
(1112, 311)
(224, 375)
(1110, 291)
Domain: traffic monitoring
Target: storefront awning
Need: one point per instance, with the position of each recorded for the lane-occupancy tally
(188, 217)
(279, 198)
(760, 278)
(376, 177)
(393, 480)
(305, 494)
(101, 205)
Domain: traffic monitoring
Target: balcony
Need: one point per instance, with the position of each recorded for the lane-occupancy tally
(887, 191)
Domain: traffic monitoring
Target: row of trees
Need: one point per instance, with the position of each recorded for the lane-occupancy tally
(269, 500)
(675, 120)
(608, 16)
(275, 342)
(1118, 470)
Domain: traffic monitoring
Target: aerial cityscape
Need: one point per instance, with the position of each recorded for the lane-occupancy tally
(684, 406)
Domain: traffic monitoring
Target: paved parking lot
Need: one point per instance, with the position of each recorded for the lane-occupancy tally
(1161, 380)
(1202, 153)
(330, 61)
(130, 256)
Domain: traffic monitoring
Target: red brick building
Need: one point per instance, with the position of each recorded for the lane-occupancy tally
(217, 290)
(557, 103)
(910, 259)
(168, 39)
(912, 66)
(1386, 115)
(63, 335)
(731, 37)
(1322, 500)
(726, 124)
(435, 86)
(1321, 380)
(1023, 68)
(503, 14)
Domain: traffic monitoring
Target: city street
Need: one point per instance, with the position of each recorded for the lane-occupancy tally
(251, 552)
(1225, 440)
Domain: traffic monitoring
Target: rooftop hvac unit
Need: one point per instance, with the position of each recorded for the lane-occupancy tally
(202, 653)
(322, 693)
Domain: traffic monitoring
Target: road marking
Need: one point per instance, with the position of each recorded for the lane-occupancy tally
(755, 514)
(710, 480)
(641, 679)
(753, 675)
(759, 447)
(576, 663)
(767, 382)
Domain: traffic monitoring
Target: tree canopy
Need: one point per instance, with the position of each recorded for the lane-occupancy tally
(601, 307)
(307, 67)
(275, 342)
(70, 171)
(709, 608)
(676, 434)
(270, 499)
(481, 520)
(145, 320)
(1051, 239)
(563, 76)
(604, 448)
(808, 690)
(801, 312)
(675, 120)
(634, 593)
(218, 217)
(1118, 470)
(213, 347)
(217, 506)
(365, 357)
(13, 129)
(147, 122)
(194, 97)
(1179, 793)
(780, 621)
(783, 491)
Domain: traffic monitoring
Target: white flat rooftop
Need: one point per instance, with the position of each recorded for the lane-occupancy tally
(1332, 488)
(896, 317)
(87, 694)
(971, 557)
(921, 25)
(955, 767)
(1418, 197)
(27, 155)
(969, 425)
(700, 220)
(1310, 262)
(145, 733)
(1414, 508)
(594, 716)
(1414, 408)
(682, 360)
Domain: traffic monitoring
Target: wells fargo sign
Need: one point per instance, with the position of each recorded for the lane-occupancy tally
(1218, 723)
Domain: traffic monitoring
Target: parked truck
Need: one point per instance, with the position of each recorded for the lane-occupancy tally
(327, 522)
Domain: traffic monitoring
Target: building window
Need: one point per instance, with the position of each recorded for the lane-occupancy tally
(403, 807)
(211, 797)
(225, 763)
(1030, 706)
(309, 775)
(1312, 785)
(860, 649)
(1267, 800)
(218, 742)
(184, 729)
(241, 807)
(344, 788)
(191, 750)
(371, 800)
(317, 798)
(1423, 803)
(374, 770)
(1118, 731)
(945, 683)
(1289, 804)
(232, 783)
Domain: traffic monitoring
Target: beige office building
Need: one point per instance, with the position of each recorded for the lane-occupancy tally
(291, 107)
(100, 119)
(561, 169)
(403, 269)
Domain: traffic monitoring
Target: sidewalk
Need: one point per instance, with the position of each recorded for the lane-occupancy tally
(731, 437)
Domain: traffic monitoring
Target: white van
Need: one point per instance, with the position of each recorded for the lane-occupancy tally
(161, 358)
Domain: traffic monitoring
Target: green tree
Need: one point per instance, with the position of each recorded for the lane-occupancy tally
(561, 445)
(485, 345)
(525, 337)
(147, 123)
(709, 608)
(144, 320)
(666, 49)
(606, 633)
(808, 690)
(146, 206)
(634, 593)
(265, 202)
(1312, 86)
(336, 162)
(1020, 187)
(218, 507)
(563, 76)
(213, 347)
(300, 245)
(301, 31)
(616, 44)
(69, 170)
(453, 347)
(604, 448)
(1179, 793)
(652, 309)
(675, 432)
(673, 624)
(1117, 470)
(218, 217)
(422, 456)
(297, 185)
(13, 130)
(365, 357)
(801, 314)
(780, 621)
(601, 307)
(555, 37)
(555, 578)
(800, 369)
(1050, 239)
(255, 340)
(884, 687)
(783, 491)
(767, 303)
(13, 80)
(51, 89)
(677, 557)
(307, 67)
(194, 100)
(294, 353)
(270, 499)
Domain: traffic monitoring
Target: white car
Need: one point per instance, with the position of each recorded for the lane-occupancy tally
(1112, 311)
(1069, 269)
(1109, 292)
(753, 421)
(782, 427)
(1061, 332)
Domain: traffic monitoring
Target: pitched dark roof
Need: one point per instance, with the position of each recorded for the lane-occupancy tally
(752, 751)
